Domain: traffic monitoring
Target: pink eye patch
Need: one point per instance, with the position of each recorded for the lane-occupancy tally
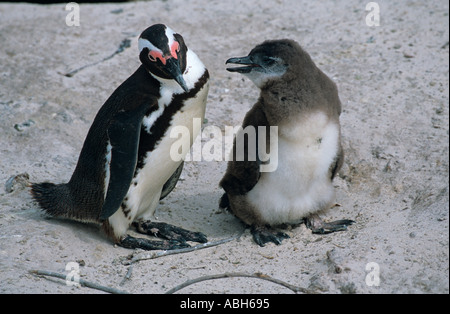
(155, 55)
(174, 49)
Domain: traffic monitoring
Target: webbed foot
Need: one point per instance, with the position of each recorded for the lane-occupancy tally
(147, 244)
(169, 232)
(263, 235)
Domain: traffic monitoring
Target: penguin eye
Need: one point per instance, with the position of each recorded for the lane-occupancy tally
(269, 60)
(155, 55)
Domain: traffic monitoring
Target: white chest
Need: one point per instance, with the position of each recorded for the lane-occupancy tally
(301, 184)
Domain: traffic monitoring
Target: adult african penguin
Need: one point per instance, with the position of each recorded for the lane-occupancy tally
(303, 103)
(125, 167)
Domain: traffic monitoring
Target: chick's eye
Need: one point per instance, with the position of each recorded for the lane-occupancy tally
(269, 60)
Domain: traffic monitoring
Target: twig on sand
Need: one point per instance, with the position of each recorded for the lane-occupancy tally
(152, 255)
(127, 276)
(295, 289)
(126, 43)
(142, 256)
(82, 282)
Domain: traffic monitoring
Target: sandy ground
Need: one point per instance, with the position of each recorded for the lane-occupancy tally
(394, 85)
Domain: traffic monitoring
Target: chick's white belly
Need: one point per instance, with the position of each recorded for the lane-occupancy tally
(301, 184)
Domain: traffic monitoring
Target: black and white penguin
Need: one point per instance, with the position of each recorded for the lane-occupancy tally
(125, 167)
(303, 103)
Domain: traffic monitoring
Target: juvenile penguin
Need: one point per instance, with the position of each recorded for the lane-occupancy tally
(125, 166)
(299, 99)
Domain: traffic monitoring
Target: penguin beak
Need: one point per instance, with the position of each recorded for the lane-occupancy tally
(173, 68)
(250, 65)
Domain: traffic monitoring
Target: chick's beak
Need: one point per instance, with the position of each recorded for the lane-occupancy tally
(250, 65)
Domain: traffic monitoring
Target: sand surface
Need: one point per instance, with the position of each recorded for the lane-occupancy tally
(394, 86)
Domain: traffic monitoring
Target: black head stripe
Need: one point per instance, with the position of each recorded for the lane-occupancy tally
(156, 34)
(182, 53)
(158, 129)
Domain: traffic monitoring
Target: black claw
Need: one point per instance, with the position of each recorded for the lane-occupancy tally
(263, 235)
(200, 238)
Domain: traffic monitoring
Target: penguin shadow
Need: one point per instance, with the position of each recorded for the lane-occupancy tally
(201, 213)
(86, 232)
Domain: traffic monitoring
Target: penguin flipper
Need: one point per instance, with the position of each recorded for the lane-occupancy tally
(242, 176)
(124, 135)
(172, 182)
(338, 162)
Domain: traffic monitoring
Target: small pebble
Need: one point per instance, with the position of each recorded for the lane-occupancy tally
(22, 126)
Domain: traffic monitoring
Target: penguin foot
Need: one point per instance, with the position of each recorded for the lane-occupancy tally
(130, 242)
(263, 235)
(318, 226)
(169, 232)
